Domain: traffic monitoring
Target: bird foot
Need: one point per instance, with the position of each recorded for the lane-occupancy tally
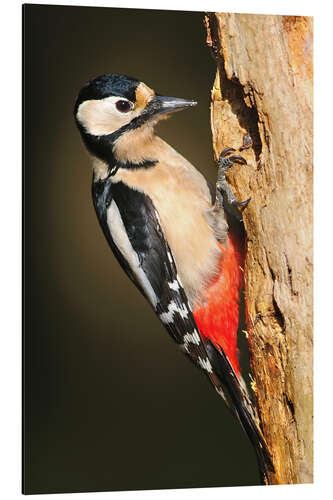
(223, 190)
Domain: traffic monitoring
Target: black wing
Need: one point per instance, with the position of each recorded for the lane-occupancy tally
(154, 273)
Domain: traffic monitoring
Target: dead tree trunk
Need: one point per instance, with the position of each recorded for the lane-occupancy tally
(263, 88)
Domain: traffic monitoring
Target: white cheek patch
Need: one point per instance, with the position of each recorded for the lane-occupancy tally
(121, 240)
(101, 117)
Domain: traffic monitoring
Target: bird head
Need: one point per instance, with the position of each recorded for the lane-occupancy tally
(115, 104)
(111, 106)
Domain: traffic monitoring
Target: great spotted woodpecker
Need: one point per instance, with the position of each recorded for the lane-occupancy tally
(170, 234)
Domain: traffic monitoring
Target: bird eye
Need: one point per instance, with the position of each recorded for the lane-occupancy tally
(123, 106)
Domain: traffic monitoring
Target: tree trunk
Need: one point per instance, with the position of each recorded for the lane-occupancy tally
(263, 88)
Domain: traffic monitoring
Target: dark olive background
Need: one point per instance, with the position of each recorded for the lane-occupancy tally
(110, 403)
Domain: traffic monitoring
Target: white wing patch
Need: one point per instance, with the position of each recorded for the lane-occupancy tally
(174, 285)
(167, 317)
(193, 338)
(205, 364)
(121, 240)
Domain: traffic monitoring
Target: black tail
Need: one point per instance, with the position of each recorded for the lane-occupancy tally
(241, 407)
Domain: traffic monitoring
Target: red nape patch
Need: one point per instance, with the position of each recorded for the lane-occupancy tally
(218, 315)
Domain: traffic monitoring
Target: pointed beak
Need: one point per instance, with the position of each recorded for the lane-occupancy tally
(161, 104)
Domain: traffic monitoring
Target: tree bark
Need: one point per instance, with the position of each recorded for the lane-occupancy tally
(263, 87)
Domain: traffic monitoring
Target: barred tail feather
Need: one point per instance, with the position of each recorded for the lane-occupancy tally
(241, 407)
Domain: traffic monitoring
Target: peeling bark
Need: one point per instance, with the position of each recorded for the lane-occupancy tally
(263, 88)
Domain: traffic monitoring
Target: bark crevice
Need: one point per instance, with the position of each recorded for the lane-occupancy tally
(232, 91)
